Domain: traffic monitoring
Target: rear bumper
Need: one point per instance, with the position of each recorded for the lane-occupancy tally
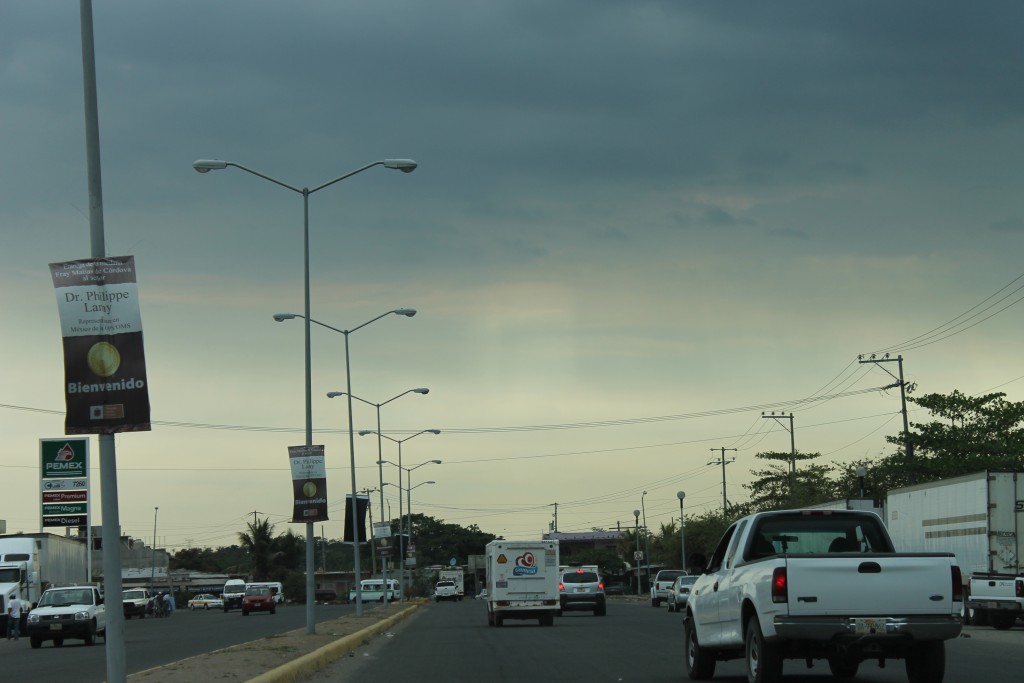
(826, 628)
(569, 602)
(995, 604)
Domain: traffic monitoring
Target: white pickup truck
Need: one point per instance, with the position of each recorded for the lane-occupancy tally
(820, 585)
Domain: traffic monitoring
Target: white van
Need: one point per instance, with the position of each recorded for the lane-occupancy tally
(234, 591)
(276, 589)
(372, 590)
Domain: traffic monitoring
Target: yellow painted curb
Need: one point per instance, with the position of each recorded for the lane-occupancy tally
(306, 664)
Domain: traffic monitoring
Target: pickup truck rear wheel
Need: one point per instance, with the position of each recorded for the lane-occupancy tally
(926, 662)
(1002, 621)
(700, 664)
(764, 663)
(843, 667)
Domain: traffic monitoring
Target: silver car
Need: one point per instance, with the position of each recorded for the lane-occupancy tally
(680, 593)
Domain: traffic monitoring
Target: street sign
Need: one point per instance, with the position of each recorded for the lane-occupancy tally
(638, 555)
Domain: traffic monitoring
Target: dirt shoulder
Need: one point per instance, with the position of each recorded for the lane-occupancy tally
(260, 658)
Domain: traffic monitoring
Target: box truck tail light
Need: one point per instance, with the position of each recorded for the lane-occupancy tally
(1019, 588)
(551, 602)
(503, 603)
(780, 586)
(958, 584)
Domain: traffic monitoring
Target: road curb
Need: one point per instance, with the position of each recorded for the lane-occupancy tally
(308, 663)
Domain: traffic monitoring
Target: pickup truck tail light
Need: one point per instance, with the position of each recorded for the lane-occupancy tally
(958, 584)
(780, 585)
(1019, 588)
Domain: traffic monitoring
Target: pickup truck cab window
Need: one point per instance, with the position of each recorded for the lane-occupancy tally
(730, 552)
(715, 564)
(817, 534)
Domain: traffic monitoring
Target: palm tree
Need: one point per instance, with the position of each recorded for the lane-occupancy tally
(258, 543)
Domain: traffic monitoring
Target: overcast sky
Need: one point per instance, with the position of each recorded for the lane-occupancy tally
(634, 227)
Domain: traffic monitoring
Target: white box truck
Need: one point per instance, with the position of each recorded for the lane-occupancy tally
(29, 563)
(978, 517)
(457, 577)
(522, 581)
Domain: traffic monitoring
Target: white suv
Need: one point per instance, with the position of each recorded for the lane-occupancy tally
(68, 612)
(661, 589)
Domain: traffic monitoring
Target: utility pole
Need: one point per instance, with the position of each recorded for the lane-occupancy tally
(254, 521)
(907, 445)
(556, 517)
(792, 447)
(723, 462)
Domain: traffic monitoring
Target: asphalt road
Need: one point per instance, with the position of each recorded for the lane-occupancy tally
(449, 642)
(153, 642)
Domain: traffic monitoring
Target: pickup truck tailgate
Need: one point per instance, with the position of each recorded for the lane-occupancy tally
(869, 585)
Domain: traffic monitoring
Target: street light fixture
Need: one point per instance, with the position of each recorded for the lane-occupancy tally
(401, 539)
(408, 312)
(682, 528)
(404, 165)
(380, 454)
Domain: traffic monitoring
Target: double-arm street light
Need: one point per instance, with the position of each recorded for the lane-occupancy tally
(408, 312)
(404, 165)
(401, 539)
(408, 507)
(380, 453)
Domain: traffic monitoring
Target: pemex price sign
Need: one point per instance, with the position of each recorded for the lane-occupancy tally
(64, 481)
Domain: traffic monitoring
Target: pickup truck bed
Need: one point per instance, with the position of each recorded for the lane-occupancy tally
(821, 585)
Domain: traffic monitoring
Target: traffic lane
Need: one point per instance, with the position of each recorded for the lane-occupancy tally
(451, 641)
(150, 642)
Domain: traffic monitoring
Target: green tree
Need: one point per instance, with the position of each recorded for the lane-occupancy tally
(258, 544)
(972, 433)
(778, 488)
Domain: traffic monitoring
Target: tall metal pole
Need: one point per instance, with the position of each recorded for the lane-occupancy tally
(152, 575)
(310, 540)
(647, 536)
(380, 474)
(401, 536)
(682, 528)
(114, 640)
(907, 445)
(636, 519)
(355, 502)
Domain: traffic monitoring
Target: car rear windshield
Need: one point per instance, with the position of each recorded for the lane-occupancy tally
(580, 577)
(445, 584)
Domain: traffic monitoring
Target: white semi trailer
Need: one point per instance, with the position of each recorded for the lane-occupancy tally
(980, 518)
(29, 563)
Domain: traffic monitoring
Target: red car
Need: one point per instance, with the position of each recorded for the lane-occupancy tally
(258, 599)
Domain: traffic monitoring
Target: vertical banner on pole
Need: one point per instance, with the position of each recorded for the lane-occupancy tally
(309, 483)
(104, 362)
(362, 503)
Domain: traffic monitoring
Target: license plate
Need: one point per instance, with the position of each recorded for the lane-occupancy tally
(868, 627)
(581, 590)
(55, 627)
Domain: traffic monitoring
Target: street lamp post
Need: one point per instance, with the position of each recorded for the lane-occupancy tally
(682, 528)
(636, 519)
(401, 538)
(647, 534)
(404, 165)
(407, 312)
(408, 508)
(152, 574)
(380, 457)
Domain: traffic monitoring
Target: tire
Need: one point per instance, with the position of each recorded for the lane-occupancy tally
(245, 613)
(36, 642)
(843, 667)
(547, 620)
(926, 662)
(127, 617)
(671, 605)
(490, 618)
(89, 639)
(764, 663)
(273, 610)
(206, 607)
(601, 610)
(700, 663)
(655, 602)
(1002, 621)
(58, 642)
(499, 620)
